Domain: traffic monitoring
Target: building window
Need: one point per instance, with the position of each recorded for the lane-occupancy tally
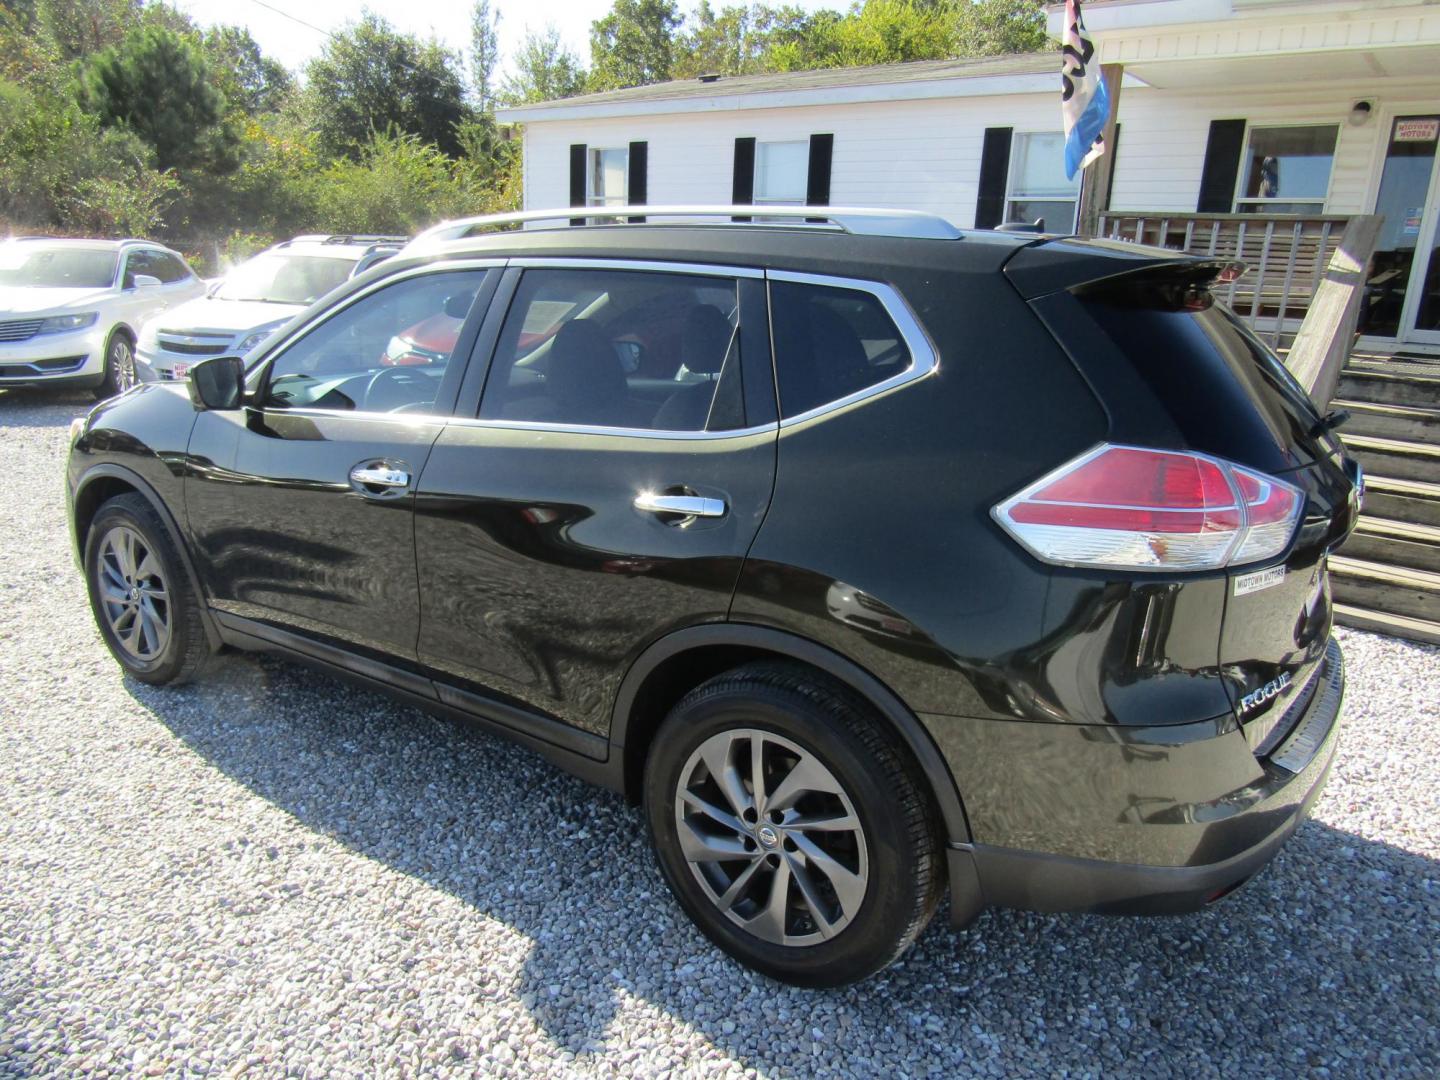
(608, 178)
(781, 172)
(1038, 189)
(1286, 170)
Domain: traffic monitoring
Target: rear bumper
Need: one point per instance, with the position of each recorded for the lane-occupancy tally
(1198, 851)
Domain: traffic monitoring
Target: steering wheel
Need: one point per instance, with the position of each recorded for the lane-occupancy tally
(392, 388)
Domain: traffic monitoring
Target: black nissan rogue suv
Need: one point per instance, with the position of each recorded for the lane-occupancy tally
(871, 556)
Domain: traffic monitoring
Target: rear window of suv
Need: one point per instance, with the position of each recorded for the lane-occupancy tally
(830, 342)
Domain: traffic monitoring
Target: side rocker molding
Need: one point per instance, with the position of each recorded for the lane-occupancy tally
(745, 635)
(109, 471)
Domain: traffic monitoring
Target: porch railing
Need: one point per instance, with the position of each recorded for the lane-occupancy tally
(1286, 256)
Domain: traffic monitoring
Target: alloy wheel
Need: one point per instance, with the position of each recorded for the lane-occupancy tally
(133, 593)
(772, 837)
(122, 363)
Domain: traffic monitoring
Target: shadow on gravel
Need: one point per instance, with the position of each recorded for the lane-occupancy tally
(43, 408)
(1320, 961)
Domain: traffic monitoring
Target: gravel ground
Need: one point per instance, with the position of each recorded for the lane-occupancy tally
(273, 873)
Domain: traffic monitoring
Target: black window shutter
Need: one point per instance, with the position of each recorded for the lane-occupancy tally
(817, 184)
(994, 172)
(1222, 166)
(638, 168)
(742, 187)
(577, 178)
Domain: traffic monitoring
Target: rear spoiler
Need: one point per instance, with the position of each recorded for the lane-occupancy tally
(1070, 263)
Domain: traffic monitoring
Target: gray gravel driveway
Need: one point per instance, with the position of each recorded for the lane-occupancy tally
(272, 873)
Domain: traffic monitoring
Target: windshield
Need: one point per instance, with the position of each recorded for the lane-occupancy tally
(284, 279)
(40, 266)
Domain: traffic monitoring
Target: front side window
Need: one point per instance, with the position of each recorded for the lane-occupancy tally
(1286, 170)
(144, 261)
(170, 268)
(280, 278)
(619, 349)
(830, 343)
(1038, 188)
(386, 352)
(608, 181)
(52, 266)
(781, 172)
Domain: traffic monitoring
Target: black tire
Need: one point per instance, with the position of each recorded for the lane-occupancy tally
(899, 845)
(120, 373)
(181, 651)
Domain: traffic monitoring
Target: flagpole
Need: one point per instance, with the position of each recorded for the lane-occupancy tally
(1095, 179)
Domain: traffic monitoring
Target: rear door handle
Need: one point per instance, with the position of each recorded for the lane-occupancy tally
(379, 476)
(688, 505)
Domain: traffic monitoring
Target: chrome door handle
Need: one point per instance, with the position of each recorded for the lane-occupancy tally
(379, 476)
(688, 505)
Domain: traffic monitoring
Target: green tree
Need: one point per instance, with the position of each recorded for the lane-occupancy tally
(634, 44)
(544, 70)
(371, 78)
(59, 168)
(879, 32)
(157, 85)
(484, 53)
(399, 184)
(250, 81)
(997, 27)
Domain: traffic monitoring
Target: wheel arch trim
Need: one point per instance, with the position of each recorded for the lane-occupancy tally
(785, 644)
(111, 471)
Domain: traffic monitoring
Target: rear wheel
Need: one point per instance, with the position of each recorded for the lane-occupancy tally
(120, 372)
(793, 830)
(144, 606)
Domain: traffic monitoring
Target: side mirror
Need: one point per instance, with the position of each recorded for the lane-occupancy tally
(457, 305)
(218, 383)
(144, 281)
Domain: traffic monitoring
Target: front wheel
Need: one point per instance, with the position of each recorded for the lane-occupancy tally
(143, 603)
(791, 826)
(120, 372)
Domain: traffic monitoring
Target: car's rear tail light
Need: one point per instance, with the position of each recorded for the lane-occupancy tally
(1131, 508)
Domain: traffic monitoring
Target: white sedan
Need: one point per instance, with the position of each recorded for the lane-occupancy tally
(71, 310)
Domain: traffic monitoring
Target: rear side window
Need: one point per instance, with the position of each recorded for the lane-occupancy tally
(1226, 391)
(619, 349)
(830, 343)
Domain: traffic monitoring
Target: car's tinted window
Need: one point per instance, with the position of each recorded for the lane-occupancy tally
(169, 268)
(143, 261)
(619, 348)
(829, 343)
(386, 352)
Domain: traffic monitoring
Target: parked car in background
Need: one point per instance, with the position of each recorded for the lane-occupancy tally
(71, 310)
(875, 559)
(255, 299)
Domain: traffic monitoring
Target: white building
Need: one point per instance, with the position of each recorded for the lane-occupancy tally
(1292, 113)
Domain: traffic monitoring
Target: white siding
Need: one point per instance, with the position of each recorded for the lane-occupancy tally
(925, 154)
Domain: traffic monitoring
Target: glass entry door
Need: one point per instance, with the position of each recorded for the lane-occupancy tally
(1402, 296)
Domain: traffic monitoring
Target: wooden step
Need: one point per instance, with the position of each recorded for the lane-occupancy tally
(1391, 590)
(1395, 543)
(1383, 388)
(1402, 500)
(1395, 458)
(1392, 625)
(1406, 422)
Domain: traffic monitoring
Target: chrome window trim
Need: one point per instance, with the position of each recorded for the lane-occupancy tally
(924, 359)
(413, 418)
(303, 330)
(617, 432)
(546, 262)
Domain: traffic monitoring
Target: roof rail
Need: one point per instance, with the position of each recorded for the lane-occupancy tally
(857, 221)
(344, 238)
